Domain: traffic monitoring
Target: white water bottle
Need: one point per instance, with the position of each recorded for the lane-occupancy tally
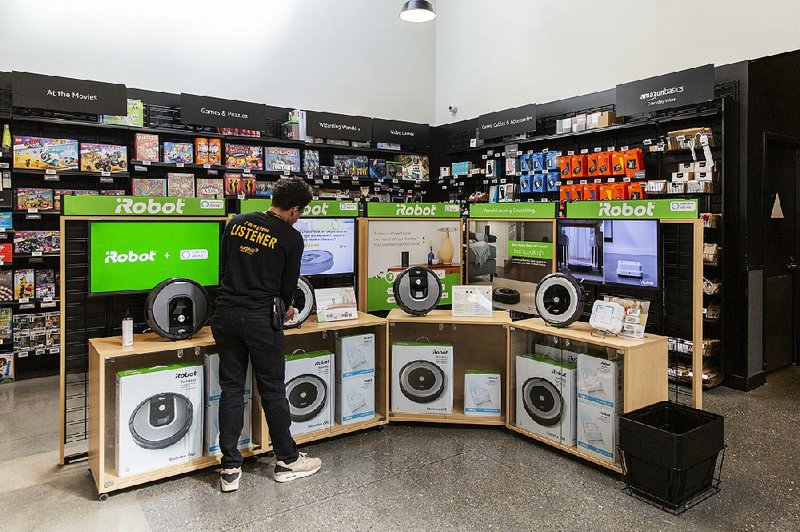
(127, 330)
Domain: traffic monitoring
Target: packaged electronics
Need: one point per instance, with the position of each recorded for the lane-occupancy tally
(377, 169)
(43, 153)
(600, 381)
(310, 390)
(461, 168)
(537, 161)
(682, 177)
(617, 163)
(634, 162)
(565, 166)
(552, 161)
(593, 169)
(511, 166)
(422, 377)
(213, 389)
(580, 165)
(212, 428)
(525, 162)
(415, 167)
(597, 432)
(355, 355)
(591, 192)
(103, 158)
(604, 164)
(552, 181)
(482, 393)
(145, 147)
(636, 191)
(526, 184)
(244, 156)
(283, 159)
(178, 152)
(355, 399)
(160, 417)
(545, 397)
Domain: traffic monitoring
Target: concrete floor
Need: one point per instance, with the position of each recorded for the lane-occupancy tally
(409, 478)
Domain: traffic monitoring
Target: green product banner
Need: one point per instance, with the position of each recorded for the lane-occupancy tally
(539, 210)
(660, 209)
(530, 250)
(413, 210)
(141, 206)
(380, 297)
(315, 209)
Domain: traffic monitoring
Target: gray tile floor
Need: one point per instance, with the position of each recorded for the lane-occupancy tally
(409, 478)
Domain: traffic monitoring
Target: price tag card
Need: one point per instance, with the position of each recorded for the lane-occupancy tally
(485, 157)
(180, 165)
(48, 299)
(472, 300)
(611, 148)
(598, 150)
(598, 180)
(106, 180)
(570, 153)
(647, 142)
(52, 177)
(145, 163)
(584, 151)
(241, 196)
(39, 352)
(105, 174)
(4, 165)
(206, 166)
(36, 253)
(336, 304)
(287, 172)
(473, 143)
(22, 354)
(502, 181)
(246, 171)
(139, 168)
(24, 300)
(624, 148)
(50, 171)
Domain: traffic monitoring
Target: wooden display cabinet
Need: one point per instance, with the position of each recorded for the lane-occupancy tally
(478, 344)
(644, 373)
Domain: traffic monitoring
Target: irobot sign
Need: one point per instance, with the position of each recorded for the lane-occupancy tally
(141, 206)
(682, 209)
(413, 210)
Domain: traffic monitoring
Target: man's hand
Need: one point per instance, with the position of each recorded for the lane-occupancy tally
(290, 313)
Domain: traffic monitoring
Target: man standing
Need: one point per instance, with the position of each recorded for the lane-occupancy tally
(261, 254)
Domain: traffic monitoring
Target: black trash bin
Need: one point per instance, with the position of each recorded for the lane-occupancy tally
(670, 451)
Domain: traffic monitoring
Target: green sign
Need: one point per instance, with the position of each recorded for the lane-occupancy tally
(315, 209)
(530, 250)
(539, 210)
(132, 255)
(141, 206)
(413, 210)
(660, 209)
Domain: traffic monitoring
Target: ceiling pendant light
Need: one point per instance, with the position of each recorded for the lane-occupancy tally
(417, 11)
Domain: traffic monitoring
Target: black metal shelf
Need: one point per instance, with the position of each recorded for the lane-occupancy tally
(31, 301)
(32, 256)
(57, 173)
(188, 166)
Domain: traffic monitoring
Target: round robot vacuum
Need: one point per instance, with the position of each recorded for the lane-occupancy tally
(508, 296)
(303, 303)
(417, 290)
(161, 420)
(316, 261)
(422, 381)
(560, 299)
(306, 395)
(542, 401)
(177, 308)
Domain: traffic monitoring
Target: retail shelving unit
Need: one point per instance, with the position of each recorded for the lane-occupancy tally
(478, 344)
(645, 371)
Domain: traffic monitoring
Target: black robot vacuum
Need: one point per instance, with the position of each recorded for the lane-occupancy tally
(422, 381)
(542, 401)
(161, 420)
(307, 396)
(504, 295)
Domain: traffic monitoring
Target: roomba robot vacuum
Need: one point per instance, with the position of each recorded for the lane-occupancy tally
(161, 420)
(316, 261)
(417, 290)
(559, 299)
(303, 303)
(509, 296)
(422, 381)
(306, 394)
(177, 308)
(542, 401)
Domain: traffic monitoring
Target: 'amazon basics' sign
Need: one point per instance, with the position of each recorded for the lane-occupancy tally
(508, 122)
(68, 94)
(695, 85)
(340, 127)
(217, 112)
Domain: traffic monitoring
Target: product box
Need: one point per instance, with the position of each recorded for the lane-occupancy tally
(377, 169)
(634, 162)
(607, 118)
(201, 150)
(422, 377)
(159, 417)
(579, 166)
(145, 147)
(636, 191)
(682, 177)
(704, 176)
(355, 398)
(552, 160)
(593, 168)
(525, 163)
(6, 220)
(6, 285)
(545, 397)
(491, 167)
(579, 123)
(600, 381)
(210, 188)
(613, 191)
(45, 284)
(6, 253)
(145, 186)
(212, 428)
(243, 156)
(597, 431)
(215, 152)
(526, 183)
(310, 389)
(180, 185)
(702, 166)
(233, 184)
(617, 163)
(212, 387)
(685, 167)
(604, 164)
(355, 355)
(461, 168)
(34, 198)
(591, 192)
(565, 165)
(676, 188)
(178, 152)
(43, 153)
(283, 159)
(482, 393)
(552, 181)
(249, 186)
(416, 167)
(103, 157)
(511, 166)
(37, 241)
(538, 161)
(444, 171)
(564, 126)
(6, 368)
(263, 189)
(134, 117)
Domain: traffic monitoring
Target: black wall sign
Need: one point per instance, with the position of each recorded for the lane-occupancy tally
(217, 112)
(677, 89)
(67, 94)
(508, 122)
(404, 133)
(340, 127)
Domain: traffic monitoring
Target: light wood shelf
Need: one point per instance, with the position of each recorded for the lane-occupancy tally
(571, 450)
(446, 316)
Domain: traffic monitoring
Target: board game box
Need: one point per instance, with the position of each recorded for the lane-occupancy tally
(145, 186)
(6, 220)
(264, 189)
(180, 185)
(45, 284)
(6, 253)
(23, 284)
(34, 198)
(210, 188)
(243, 156)
(112, 192)
(6, 367)
(35, 241)
(178, 152)
(311, 162)
(5, 323)
(59, 193)
(146, 147)
(415, 167)
(282, 159)
(377, 169)
(103, 157)
(351, 165)
(43, 153)
(6, 285)
(249, 185)
(394, 170)
(233, 184)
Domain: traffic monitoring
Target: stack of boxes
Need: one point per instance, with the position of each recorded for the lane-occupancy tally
(213, 396)
(314, 373)
(694, 177)
(600, 385)
(355, 378)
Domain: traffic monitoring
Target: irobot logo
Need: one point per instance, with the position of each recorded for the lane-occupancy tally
(130, 206)
(316, 210)
(407, 209)
(129, 256)
(612, 211)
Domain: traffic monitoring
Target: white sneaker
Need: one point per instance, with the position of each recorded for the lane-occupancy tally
(229, 479)
(302, 467)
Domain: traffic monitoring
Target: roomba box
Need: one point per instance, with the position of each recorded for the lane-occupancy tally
(600, 382)
(545, 397)
(355, 355)
(482, 393)
(597, 431)
(310, 390)
(355, 378)
(422, 377)
(212, 428)
(159, 418)
(213, 389)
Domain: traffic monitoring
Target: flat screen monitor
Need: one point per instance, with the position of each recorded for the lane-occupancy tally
(330, 246)
(130, 256)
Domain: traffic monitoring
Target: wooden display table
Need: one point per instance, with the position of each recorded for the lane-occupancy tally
(644, 373)
(478, 344)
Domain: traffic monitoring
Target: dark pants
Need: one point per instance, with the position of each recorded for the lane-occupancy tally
(242, 335)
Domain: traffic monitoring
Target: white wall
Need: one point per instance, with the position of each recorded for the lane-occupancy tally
(504, 53)
(347, 56)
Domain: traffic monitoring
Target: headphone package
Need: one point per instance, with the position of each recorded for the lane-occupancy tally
(482, 393)
(310, 390)
(355, 378)
(160, 418)
(422, 377)
(545, 397)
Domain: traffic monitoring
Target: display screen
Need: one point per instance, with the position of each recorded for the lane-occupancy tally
(330, 245)
(610, 251)
(136, 256)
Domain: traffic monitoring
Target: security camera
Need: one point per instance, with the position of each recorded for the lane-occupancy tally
(453, 108)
